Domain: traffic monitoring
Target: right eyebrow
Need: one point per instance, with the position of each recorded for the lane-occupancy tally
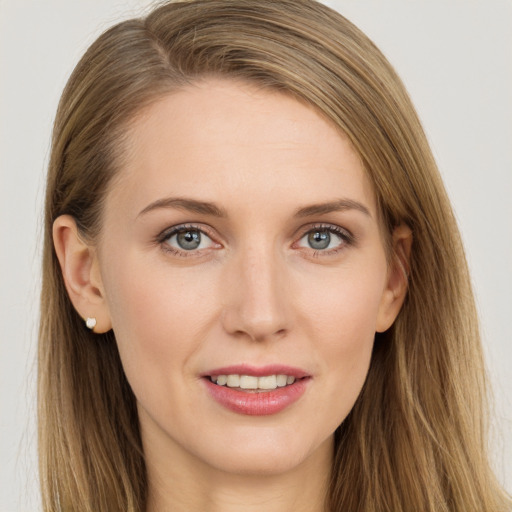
(183, 203)
(332, 206)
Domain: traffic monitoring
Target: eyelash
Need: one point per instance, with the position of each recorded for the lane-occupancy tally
(347, 238)
(165, 235)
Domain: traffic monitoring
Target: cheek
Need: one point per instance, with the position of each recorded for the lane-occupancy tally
(342, 319)
(157, 316)
(345, 303)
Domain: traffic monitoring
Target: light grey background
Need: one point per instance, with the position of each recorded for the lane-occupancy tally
(455, 57)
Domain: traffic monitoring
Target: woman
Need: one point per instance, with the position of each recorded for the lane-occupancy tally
(255, 296)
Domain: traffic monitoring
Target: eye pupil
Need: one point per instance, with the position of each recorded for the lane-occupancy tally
(319, 239)
(189, 239)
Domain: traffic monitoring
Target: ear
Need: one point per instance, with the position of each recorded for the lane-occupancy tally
(80, 270)
(397, 281)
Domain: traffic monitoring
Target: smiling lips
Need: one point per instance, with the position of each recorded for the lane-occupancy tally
(251, 382)
(256, 391)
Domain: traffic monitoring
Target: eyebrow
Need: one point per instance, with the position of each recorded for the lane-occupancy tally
(332, 206)
(191, 205)
(207, 208)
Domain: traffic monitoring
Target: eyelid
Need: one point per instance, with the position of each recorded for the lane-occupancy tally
(343, 233)
(169, 232)
(348, 238)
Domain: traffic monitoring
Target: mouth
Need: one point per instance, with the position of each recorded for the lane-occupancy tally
(256, 391)
(253, 383)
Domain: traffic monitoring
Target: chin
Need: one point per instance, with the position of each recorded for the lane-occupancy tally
(266, 454)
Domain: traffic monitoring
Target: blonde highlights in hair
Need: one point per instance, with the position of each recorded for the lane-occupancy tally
(416, 437)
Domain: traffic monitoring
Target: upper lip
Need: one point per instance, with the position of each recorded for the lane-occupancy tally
(257, 371)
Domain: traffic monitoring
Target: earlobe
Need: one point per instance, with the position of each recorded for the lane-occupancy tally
(397, 281)
(80, 270)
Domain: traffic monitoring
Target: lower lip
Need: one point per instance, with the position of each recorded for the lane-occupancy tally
(260, 403)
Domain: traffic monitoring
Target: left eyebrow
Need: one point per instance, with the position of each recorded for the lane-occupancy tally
(332, 206)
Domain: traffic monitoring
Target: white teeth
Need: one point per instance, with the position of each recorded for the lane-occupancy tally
(222, 380)
(248, 382)
(267, 382)
(281, 381)
(233, 381)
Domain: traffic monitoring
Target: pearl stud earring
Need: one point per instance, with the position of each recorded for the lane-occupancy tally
(90, 323)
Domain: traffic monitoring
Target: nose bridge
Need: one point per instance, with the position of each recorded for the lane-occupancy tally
(257, 303)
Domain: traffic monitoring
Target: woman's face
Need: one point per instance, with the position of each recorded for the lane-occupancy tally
(241, 238)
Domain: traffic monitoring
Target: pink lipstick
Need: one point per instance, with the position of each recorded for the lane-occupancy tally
(256, 391)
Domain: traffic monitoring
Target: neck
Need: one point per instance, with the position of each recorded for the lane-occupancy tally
(190, 485)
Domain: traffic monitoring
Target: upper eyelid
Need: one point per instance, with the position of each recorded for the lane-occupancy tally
(170, 231)
(326, 226)
(209, 232)
(347, 237)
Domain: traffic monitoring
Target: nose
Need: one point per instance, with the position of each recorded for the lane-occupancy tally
(256, 303)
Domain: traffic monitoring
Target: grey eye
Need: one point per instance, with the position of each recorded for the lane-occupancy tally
(188, 240)
(324, 239)
(319, 239)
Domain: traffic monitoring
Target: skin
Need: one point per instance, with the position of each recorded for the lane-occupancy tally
(254, 292)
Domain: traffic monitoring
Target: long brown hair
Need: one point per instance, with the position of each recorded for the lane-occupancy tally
(416, 437)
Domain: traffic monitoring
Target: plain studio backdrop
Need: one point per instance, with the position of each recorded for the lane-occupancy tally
(455, 57)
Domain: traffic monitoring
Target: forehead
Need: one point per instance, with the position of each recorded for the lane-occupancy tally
(232, 142)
